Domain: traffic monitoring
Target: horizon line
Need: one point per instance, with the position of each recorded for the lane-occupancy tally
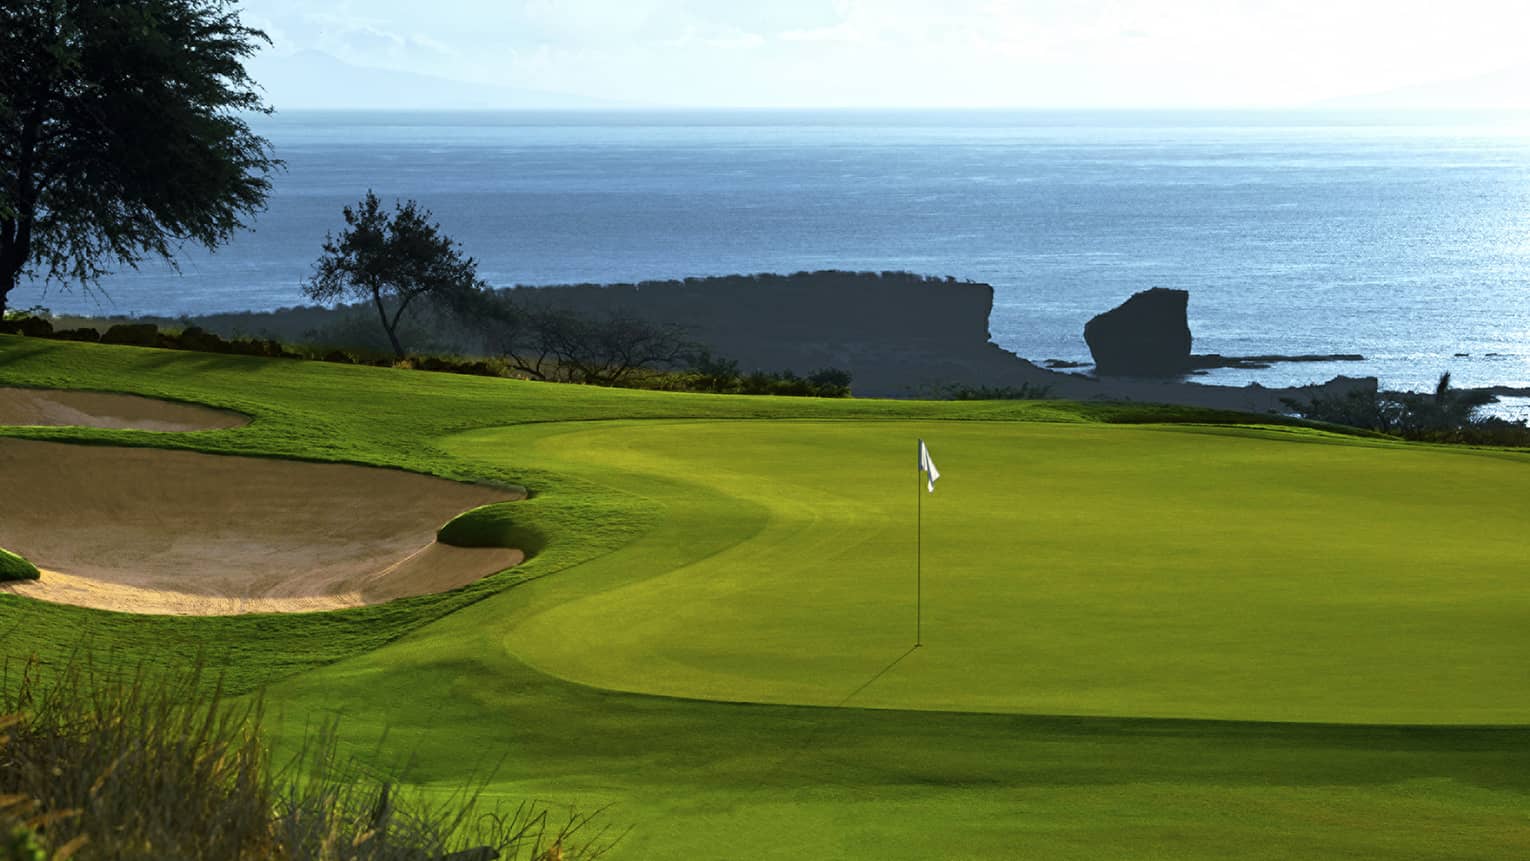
(1039, 109)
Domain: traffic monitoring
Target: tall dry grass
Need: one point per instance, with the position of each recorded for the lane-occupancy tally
(101, 764)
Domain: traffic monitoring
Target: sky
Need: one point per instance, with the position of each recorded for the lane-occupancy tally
(936, 53)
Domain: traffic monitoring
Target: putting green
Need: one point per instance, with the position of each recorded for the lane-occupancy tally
(1090, 570)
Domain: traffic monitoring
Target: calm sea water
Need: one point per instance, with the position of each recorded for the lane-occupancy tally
(1404, 238)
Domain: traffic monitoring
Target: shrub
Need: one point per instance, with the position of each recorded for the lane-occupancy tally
(201, 340)
(1022, 392)
(90, 335)
(823, 383)
(756, 383)
(132, 335)
(32, 327)
(714, 373)
(831, 382)
(268, 349)
(477, 369)
(13, 567)
(1447, 415)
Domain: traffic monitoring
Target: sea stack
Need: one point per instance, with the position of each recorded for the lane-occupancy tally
(1148, 335)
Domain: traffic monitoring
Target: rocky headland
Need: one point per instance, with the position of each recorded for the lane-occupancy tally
(900, 335)
(904, 335)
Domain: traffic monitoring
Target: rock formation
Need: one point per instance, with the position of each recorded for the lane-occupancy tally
(900, 336)
(1145, 336)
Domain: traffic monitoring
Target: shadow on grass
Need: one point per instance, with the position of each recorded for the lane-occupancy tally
(880, 673)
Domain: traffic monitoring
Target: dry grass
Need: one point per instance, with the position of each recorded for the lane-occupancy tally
(107, 765)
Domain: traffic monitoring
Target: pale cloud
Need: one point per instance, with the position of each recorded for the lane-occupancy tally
(1125, 53)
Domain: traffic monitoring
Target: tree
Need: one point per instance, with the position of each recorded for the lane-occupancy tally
(1412, 414)
(549, 342)
(1448, 407)
(552, 342)
(392, 261)
(121, 134)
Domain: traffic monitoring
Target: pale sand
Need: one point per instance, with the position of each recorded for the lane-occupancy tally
(171, 532)
(57, 407)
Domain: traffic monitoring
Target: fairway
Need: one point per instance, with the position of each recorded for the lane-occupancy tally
(1105, 570)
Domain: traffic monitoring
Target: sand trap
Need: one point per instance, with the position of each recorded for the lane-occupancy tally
(152, 531)
(57, 407)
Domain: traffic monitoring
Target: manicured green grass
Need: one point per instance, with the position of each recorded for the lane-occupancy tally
(382, 417)
(13, 567)
(1106, 570)
(736, 551)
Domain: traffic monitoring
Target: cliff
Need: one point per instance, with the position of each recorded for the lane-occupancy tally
(900, 335)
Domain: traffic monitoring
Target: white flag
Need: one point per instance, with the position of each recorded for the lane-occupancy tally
(926, 465)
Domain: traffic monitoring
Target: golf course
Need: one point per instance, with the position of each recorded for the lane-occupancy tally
(1143, 631)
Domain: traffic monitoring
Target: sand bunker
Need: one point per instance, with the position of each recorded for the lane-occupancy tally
(57, 407)
(152, 531)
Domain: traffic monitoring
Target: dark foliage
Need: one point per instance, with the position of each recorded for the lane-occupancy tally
(831, 382)
(1022, 392)
(1371, 410)
(132, 334)
(715, 374)
(122, 134)
(722, 376)
(547, 342)
(32, 327)
(391, 261)
(708, 374)
(1446, 414)
(77, 335)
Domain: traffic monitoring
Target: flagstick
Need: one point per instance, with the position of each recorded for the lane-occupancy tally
(919, 553)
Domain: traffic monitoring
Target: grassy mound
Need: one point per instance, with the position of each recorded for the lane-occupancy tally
(493, 525)
(13, 567)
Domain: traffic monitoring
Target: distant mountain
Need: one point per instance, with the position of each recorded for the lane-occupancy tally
(313, 79)
(1503, 89)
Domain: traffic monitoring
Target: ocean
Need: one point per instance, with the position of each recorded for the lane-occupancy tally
(1402, 237)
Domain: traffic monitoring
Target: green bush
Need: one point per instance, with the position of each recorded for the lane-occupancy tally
(1022, 392)
(201, 340)
(13, 567)
(1446, 415)
(32, 327)
(86, 334)
(132, 335)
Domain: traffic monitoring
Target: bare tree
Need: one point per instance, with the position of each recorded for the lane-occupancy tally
(552, 343)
